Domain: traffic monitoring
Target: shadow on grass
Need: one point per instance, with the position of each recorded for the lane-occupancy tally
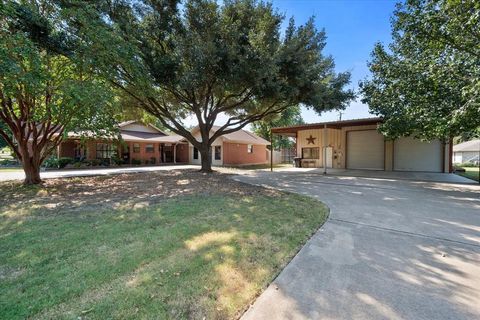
(191, 255)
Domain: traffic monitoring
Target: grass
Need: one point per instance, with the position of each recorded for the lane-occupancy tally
(135, 253)
(470, 173)
(10, 170)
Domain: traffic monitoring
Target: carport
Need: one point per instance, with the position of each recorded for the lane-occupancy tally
(357, 144)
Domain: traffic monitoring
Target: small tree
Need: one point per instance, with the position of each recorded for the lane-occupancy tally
(427, 83)
(44, 89)
(211, 59)
(289, 117)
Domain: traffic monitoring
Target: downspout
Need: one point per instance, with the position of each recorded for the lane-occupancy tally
(325, 148)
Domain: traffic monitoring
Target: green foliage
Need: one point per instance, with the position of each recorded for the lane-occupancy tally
(58, 163)
(3, 142)
(46, 83)
(289, 117)
(427, 83)
(136, 162)
(209, 59)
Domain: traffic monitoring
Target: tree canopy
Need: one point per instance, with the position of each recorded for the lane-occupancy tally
(210, 58)
(46, 89)
(427, 82)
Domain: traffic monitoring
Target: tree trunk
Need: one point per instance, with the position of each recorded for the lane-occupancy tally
(30, 167)
(206, 157)
(32, 175)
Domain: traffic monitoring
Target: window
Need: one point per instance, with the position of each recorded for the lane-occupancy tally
(105, 150)
(250, 148)
(136, 148)
(218, 153)
(310, 153)
(149, 148)
(195, 153)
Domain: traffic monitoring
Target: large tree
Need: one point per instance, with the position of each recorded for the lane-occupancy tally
(45, 89)
(427, 82)
(208, 59)
(289, 117)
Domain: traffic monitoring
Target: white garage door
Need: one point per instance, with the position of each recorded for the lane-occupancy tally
(365, 150)
(414, 155)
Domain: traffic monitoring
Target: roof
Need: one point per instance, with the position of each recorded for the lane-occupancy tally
(472, 145)
(291, 130)
(149, 137)
(240, 136)
(126, 123)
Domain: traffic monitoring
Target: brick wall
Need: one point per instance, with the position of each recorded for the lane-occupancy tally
(143, 155)
(67, 149)
(182, 152)
(237, 154)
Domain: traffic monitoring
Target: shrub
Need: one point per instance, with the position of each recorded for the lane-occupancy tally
(51, 162)
(468, 164)
(77, 164)
(117, 160)
(93, 162)
(136, 162)
(8, 162)
(62, 162)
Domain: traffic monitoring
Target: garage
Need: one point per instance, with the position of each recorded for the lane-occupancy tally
(365, 150)
(415, 155)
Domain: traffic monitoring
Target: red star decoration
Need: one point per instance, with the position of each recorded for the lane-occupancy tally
(311, 140)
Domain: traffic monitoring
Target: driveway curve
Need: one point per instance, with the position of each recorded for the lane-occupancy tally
(391, 249)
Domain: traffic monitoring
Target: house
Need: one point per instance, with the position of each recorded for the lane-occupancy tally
(468, 151)
(140, 143)
(238, 148)
(357, 144)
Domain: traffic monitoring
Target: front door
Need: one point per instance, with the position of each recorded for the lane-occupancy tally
(168, 153)
(126, 154)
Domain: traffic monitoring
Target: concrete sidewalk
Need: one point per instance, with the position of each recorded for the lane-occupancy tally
(391, 249)
(70, 173)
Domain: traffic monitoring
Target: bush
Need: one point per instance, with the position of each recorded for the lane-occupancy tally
(9, 162)
(467, 165)
(77, 164)
(136, 162)
(51, 162)
(62, 162)
(116, 160)
(93, 163)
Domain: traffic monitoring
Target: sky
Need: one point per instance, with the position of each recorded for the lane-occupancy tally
(352, 28)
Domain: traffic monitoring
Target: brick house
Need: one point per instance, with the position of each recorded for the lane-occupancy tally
(145, 144)
(140, 143)
(238, 148)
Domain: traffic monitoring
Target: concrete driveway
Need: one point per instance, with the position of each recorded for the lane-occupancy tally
(391, 249)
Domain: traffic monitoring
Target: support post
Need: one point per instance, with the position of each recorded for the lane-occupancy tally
(175, 153)
(325, 149)
(271, 150)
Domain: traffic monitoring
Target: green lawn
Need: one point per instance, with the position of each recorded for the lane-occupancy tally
(470, 173)
(10, 169)
(157, 245)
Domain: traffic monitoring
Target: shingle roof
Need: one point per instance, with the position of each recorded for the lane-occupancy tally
(128, 135)
(243, 136)
(472, 145)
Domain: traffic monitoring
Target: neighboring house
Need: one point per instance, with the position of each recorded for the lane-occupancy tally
(145, 144)
(140, 143)
(468, 151)
(356, 144)
(239, 148)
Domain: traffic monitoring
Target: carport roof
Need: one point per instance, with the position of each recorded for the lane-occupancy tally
(292, 130)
